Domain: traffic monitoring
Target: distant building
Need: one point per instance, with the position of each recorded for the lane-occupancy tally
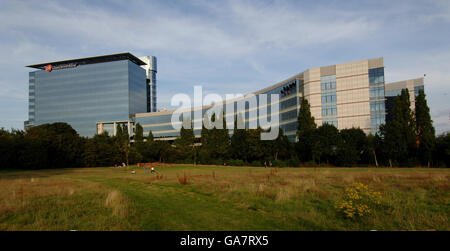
(84, 91)
(395, 89)
(96, 94)
(150, 70)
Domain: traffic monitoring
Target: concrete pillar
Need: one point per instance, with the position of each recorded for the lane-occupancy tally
(114, 128)
(129, 131)
(100, 128)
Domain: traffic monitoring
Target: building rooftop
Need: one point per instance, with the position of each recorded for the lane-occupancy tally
(91, 60)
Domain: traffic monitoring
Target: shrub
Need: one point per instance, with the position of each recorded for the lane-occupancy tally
(255, 163)
(278, 163)
(183, 180)
(235, 162)
(293, 163)
(358, 201)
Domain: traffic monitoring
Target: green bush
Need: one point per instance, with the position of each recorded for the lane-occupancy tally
(235, 162)
(278, 163)
(293, 163)
(255, 163)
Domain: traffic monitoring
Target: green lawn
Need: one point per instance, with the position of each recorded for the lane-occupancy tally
(220, 198)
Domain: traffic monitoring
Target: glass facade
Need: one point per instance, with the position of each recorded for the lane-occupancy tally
(329, 99)
(357, 108)
(31, 100)
(390, 98)
(377, 99)
(417, 89)
(160, 125)
(151, 92)
(87, 94)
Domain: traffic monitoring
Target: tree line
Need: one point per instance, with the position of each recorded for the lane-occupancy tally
(408, 139)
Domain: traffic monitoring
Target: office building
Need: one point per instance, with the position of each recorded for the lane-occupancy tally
(96, 94)
(84, 91)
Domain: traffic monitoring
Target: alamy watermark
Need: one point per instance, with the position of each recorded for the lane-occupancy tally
(234, 106)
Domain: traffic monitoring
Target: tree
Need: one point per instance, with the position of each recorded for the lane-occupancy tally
(281, 146)
(399, 138)
(101, 150)
(442, 150)
(424, 129)
(372, 147)
(222, 140)
(239, 146)
(62, 143)
(215, 143)
(352, 144)
(255, 146)
(122, 140)
(185, 143)
(305, 131)
(139, 134)
(326, 139)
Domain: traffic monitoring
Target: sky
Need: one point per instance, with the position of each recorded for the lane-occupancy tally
(228, 46)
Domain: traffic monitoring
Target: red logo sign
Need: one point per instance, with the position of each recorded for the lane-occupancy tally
(48, 68)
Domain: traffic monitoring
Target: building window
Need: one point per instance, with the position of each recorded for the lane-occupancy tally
(377, 107)
(417, 89)
(328, 83)
(333, 122)
(288, 89)
(329, 98)
(329, 111)
(377, 92)
(376, 76)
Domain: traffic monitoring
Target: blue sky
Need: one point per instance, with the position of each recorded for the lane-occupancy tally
(228, 46)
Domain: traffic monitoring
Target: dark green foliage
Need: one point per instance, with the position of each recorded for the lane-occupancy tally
(399, 133)
(62, 143)
(442, 152)
(215, 143)
(101, 150)
(326, 143)
(281, 147)
(424, 129)
(351, 146)
(139, 134)
(403, 141)
(256, 150)
(305, 133)
(239, 146)
(185, 144)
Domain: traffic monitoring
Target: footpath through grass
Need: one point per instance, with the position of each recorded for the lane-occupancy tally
(184, 197)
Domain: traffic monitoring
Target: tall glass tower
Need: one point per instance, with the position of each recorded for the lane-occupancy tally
(83, 91)
(150, 69)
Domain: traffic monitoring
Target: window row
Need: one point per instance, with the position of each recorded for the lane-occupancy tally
(377, 92)
(377, 107)
(329, 111)
(328, 83)
(329, 98)
(329, 86)
(376, 76)
(376, 121)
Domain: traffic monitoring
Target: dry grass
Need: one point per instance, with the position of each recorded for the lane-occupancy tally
(118, 203)
(301, 198)
(183, 180)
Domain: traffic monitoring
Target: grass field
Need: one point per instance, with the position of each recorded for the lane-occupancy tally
(183, 197)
